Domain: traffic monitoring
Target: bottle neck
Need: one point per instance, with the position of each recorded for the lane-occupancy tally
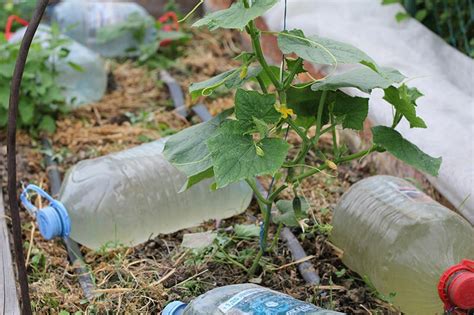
(456, 287)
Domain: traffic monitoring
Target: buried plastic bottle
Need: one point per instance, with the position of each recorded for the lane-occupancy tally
(125, 198)
(240, 299)
(83, 21)
(413, 250)
(79, 86)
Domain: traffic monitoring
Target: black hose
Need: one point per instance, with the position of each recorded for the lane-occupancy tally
(11, 153)
(73, 251)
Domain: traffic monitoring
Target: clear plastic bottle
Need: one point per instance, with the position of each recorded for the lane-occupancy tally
(403, 242)
(82, 20)
(243, 299)
(126, 197)
(78, 87)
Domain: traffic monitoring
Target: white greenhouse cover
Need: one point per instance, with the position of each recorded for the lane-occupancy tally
(444, 75)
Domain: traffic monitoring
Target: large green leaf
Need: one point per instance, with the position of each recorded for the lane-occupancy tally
(236, 156)
(305, 103)
(237, 16)
(403, 99)
(251, 104)
(231, 79)
(321, 50)
(187, 149)
(364, 79)
(393, 142)
(353, 110)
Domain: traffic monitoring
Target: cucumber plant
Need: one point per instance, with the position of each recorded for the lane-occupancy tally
(41, 97)
(249, 140)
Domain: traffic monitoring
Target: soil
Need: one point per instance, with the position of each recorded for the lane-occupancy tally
(145, 278)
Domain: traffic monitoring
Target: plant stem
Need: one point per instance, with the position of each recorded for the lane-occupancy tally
(327, 129)
(297, 129)
(255, 37)
(232, 260)
(311, 172)
(334, 136)
(266, 224)
(337, 161)
(313, 141)
(257, 192)
(277, 191)
(290, 78)
(356, 155)
(396, 119)
(262, 84)
(275, 238)
(256, 262)
(322, 100)
(261, 58)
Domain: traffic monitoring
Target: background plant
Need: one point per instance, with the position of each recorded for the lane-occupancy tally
(453, 20)
(150, 53)
(250, 139)
(41, 98)
(10, 7)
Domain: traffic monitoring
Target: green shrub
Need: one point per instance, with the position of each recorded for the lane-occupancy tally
(41, 99)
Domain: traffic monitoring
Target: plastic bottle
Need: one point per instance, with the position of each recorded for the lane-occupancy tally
(126, 197)
(82, 20)
(406, 244)
(240, 299)
(79, 87)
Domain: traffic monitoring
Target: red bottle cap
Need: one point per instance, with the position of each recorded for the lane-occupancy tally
(456, 286)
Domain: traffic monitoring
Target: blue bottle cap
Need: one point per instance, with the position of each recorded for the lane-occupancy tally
(52, 222)
(174, 308)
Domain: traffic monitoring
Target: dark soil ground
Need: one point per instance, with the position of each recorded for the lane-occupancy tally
(143, 279)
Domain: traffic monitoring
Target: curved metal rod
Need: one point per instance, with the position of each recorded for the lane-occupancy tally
(11, 153)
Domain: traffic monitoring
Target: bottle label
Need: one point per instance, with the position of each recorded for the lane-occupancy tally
(412, 193)
(263, 301)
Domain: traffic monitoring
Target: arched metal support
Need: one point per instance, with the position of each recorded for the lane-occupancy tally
(11, 153)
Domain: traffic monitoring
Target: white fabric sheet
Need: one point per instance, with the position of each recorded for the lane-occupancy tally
(443, 74)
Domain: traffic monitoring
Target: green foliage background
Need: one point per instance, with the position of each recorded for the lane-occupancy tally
(453, 20)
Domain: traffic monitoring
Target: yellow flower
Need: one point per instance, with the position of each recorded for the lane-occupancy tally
(331, 165)
(243, 73)
(285, 111)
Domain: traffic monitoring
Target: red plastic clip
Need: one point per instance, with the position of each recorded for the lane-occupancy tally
(456, 287)
(9, 24)
(173, 26)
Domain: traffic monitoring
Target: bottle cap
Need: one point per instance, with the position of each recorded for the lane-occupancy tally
(173, 308)
(53, 221)
(456, 286)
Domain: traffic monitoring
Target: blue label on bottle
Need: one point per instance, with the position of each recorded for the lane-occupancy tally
(264, 302)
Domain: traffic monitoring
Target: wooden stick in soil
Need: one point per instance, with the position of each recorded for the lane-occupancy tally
(11, 152)
(73, 250)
